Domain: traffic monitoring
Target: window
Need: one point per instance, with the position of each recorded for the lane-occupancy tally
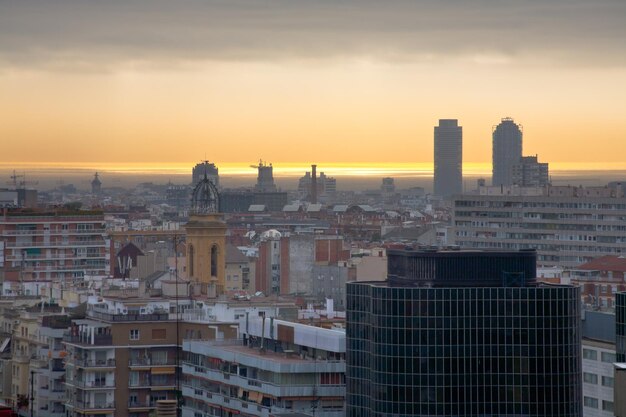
(607, 405)
(134, 334)
(214, 261)
(159, 357)
(608, 357)
(590, 402)
(590, 378)
(608, 381)
(590, 354)
(159, 334)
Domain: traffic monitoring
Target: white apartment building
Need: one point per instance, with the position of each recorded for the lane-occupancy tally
(566, 225)
(275, 368)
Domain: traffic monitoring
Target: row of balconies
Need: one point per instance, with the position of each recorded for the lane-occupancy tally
(275, 390)
(62, 232)
(94, 243)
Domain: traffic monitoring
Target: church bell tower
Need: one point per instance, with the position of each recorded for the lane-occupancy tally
(206, 241)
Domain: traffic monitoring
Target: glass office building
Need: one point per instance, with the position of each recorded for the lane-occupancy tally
(488, 347)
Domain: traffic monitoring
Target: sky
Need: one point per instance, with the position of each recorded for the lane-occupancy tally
(326, 81)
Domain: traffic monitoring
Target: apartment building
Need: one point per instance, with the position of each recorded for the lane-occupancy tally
(50, 245)
(566, 225)
(274, 368)
(48, 370)
(122, 358)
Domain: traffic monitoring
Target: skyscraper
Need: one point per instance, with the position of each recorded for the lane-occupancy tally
(459, 333)
(448, 158)
(208, 168)
(507, 151)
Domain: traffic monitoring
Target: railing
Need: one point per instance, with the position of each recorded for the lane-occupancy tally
(128, 317)
(150, 362)
(91, 363)
(98, 340)
(89, 406)
(141, 404)
(91, 384)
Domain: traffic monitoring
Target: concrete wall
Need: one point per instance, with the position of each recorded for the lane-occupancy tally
(301, 260)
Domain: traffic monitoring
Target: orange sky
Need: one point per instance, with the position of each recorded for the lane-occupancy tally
(324, 108)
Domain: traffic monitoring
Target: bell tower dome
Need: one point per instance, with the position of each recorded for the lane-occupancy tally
(206, 240)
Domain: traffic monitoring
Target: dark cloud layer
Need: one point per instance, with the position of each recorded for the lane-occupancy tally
(93, 32)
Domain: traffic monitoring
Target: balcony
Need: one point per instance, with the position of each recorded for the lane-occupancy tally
(268, 388)
(153, 383)
(95, 384)
(143, 404)
(93, 363)
(110, 317)
(145, 362)
(86, 406)
(98, 340)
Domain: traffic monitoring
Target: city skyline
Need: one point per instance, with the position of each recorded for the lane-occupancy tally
(96, 83)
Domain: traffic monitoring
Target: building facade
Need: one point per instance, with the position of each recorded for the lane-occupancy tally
(567, 226)
(208, 168)
(506, 151)
(492, 342)
(448, 177)
(51, 245)
(598, 356)
(275, 368)
(529, 172)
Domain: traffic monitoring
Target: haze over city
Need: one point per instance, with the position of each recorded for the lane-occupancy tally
(347, 82)
(312, 208)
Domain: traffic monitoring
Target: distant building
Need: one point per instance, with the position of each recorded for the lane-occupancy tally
(265, 178)
(529, 172)
(177, 195)
(51, 245)
(388, 186)
(448, 158)
(96, 185)
(455, 333)
(507, 151)
(326, 186)
(566, 225)
(600, 279)
(212, 173)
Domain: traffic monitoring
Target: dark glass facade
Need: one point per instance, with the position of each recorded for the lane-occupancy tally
(620, 326)
(463, 351)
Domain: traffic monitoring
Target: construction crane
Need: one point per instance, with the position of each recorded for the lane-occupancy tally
(261, 164)
(21, 183)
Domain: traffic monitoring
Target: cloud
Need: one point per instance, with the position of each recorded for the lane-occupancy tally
(84, 33)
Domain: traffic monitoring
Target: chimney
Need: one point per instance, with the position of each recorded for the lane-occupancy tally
(314, 184)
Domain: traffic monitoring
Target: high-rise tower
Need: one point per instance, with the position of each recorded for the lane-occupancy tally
(507, 151)
(448, 158)
(460, 333)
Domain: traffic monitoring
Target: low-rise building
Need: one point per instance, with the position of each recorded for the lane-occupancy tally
(274, 367)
